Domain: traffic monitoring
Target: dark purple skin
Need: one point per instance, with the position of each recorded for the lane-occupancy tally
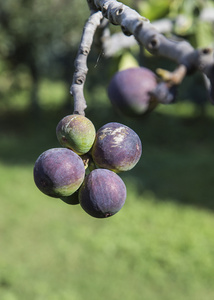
(117, 147)
(129, 91)
(72, 199)
(59, 172)
(102, 194)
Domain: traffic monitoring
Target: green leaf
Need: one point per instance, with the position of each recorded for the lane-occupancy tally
(204, 34)
(153, 9)
(127, 61)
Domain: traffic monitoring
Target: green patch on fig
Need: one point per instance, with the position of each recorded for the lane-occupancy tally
(76, 132)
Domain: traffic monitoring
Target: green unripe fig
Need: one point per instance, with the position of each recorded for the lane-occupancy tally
(76, 132)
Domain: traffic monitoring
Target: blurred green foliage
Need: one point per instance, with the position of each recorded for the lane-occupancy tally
(186, 17)
(38, 39)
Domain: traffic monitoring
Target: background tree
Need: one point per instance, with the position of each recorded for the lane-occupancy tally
(38, 39)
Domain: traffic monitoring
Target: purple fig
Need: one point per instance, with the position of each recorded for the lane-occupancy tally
(117, 147)
(102, 194)
(59, 172)
(129, 91)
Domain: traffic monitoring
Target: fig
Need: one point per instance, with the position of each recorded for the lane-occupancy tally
(76, 132)
(130, 91)
(117, 147)
(102, 194)
(59, 172)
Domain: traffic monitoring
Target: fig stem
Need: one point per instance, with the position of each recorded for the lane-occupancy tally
(175, 77)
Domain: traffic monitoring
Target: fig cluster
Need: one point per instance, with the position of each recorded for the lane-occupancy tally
(84, 170)
(130, 91)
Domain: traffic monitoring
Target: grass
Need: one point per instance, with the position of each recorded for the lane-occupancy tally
(160, 246)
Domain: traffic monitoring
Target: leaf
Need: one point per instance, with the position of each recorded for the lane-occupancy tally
(204, 34)
(153, 9)
(127, 61)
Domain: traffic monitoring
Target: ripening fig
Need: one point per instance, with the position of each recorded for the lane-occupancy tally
(102, 194)
(130, 91)
(59, 172)
(76, 132)
(117, 147)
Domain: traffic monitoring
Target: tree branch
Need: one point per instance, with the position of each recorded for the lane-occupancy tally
(80, 63)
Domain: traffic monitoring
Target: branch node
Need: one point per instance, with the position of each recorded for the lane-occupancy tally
(84, 51)
(153, 43)
(120, 10)
(206, 51)
(125, 31)
(112, 13)
(80, 80)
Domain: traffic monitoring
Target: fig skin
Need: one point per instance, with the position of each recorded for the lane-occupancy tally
(129, 91)
(76, 132)
(72, 199)
(59, 172)
(117, 147)
(102, 194)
